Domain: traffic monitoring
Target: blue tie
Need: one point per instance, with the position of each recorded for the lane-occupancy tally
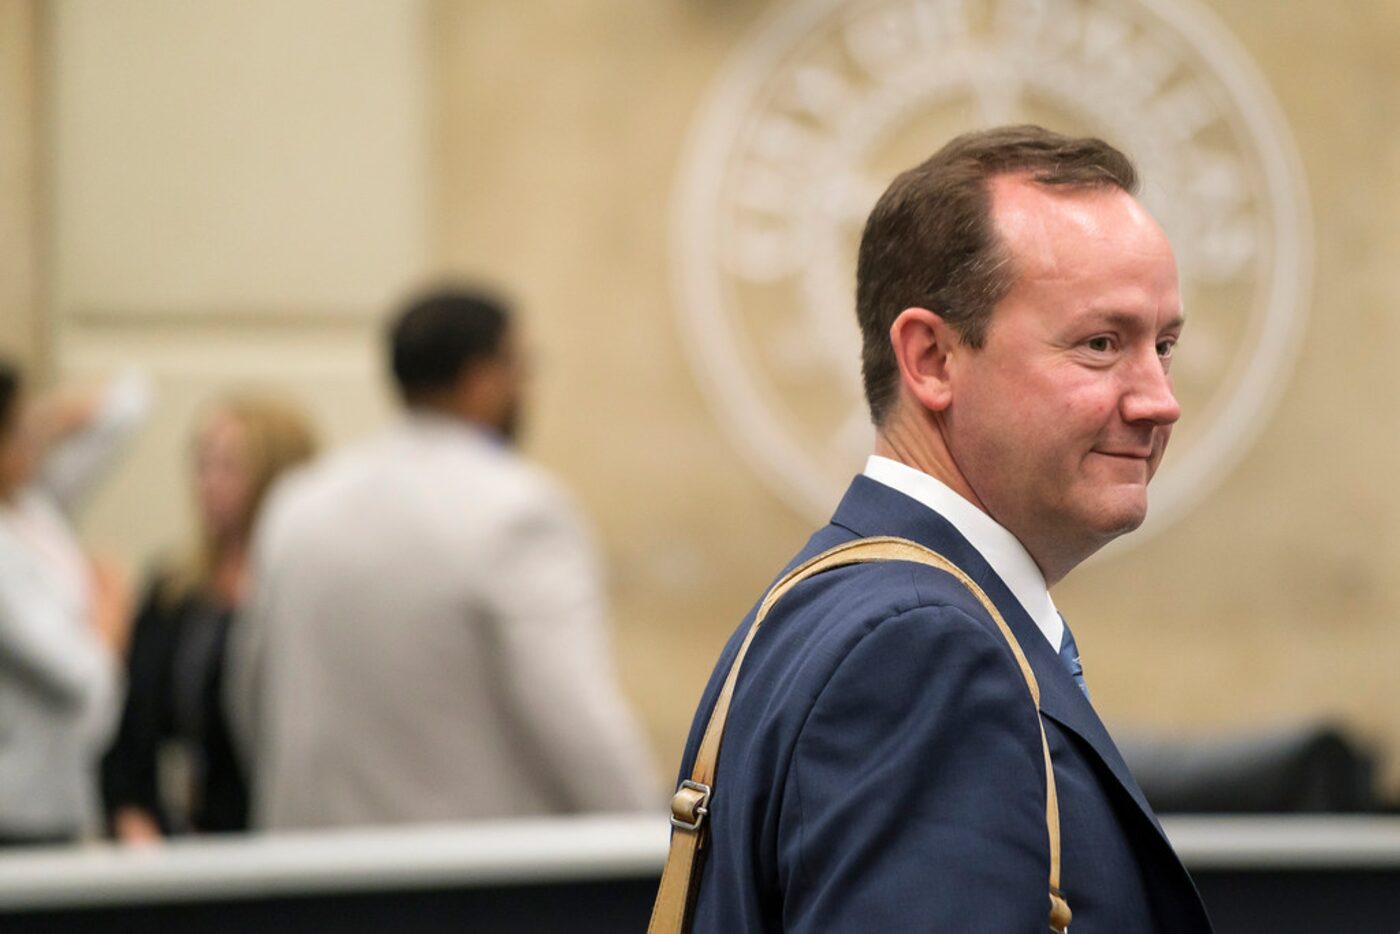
(1069, 654)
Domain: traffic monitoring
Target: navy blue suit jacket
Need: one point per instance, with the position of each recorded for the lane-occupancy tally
(882, 769)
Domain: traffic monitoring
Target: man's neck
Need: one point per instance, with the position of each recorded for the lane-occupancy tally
(916, 440)
(922, 447)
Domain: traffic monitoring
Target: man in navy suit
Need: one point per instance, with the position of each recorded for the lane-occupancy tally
(882, 768)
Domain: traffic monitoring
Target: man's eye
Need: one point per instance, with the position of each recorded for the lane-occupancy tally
(1099, 344)
(1165, 349)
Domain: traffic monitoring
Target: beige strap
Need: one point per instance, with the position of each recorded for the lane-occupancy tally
(680, 880)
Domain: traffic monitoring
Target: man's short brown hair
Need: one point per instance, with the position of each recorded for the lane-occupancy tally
(930, 242)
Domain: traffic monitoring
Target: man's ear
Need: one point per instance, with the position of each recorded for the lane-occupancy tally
(922, 343)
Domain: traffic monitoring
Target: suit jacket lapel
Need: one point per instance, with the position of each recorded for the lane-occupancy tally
(871, 508)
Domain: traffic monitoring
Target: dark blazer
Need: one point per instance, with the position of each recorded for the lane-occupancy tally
(175, 696)
(882, 770)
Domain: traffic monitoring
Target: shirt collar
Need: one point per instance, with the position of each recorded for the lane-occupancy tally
(1006, 555)
(429, 421)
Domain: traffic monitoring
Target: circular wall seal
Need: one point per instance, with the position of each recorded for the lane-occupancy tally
(826, 100)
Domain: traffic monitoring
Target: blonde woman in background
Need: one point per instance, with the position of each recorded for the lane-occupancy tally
(172, 768)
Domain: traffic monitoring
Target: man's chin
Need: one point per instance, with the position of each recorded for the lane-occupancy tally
(1121, 515)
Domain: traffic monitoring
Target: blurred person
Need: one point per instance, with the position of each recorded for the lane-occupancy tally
(63, 617)
(426, 638)
(172, 767)
(912, 747)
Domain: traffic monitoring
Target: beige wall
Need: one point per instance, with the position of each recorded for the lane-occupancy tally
(537, 145)
(20, 329)
(235, 191)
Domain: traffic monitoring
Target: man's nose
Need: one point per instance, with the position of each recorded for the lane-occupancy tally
(1148, 397)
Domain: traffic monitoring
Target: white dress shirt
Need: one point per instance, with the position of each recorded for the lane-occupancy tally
(60, 686)
(1007, 556)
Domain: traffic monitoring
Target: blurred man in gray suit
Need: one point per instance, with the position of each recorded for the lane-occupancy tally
(426, 638)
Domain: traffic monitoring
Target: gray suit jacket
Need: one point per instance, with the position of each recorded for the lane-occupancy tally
(426, 640)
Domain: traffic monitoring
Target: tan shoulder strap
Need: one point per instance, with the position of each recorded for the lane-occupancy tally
(680, 880)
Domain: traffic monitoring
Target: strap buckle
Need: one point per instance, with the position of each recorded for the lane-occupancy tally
(689, 805)
(1059, 912)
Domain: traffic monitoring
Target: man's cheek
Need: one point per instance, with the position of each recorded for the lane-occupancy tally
(1159, 446)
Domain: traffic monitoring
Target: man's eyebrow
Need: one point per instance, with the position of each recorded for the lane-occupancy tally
(1127, 321)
